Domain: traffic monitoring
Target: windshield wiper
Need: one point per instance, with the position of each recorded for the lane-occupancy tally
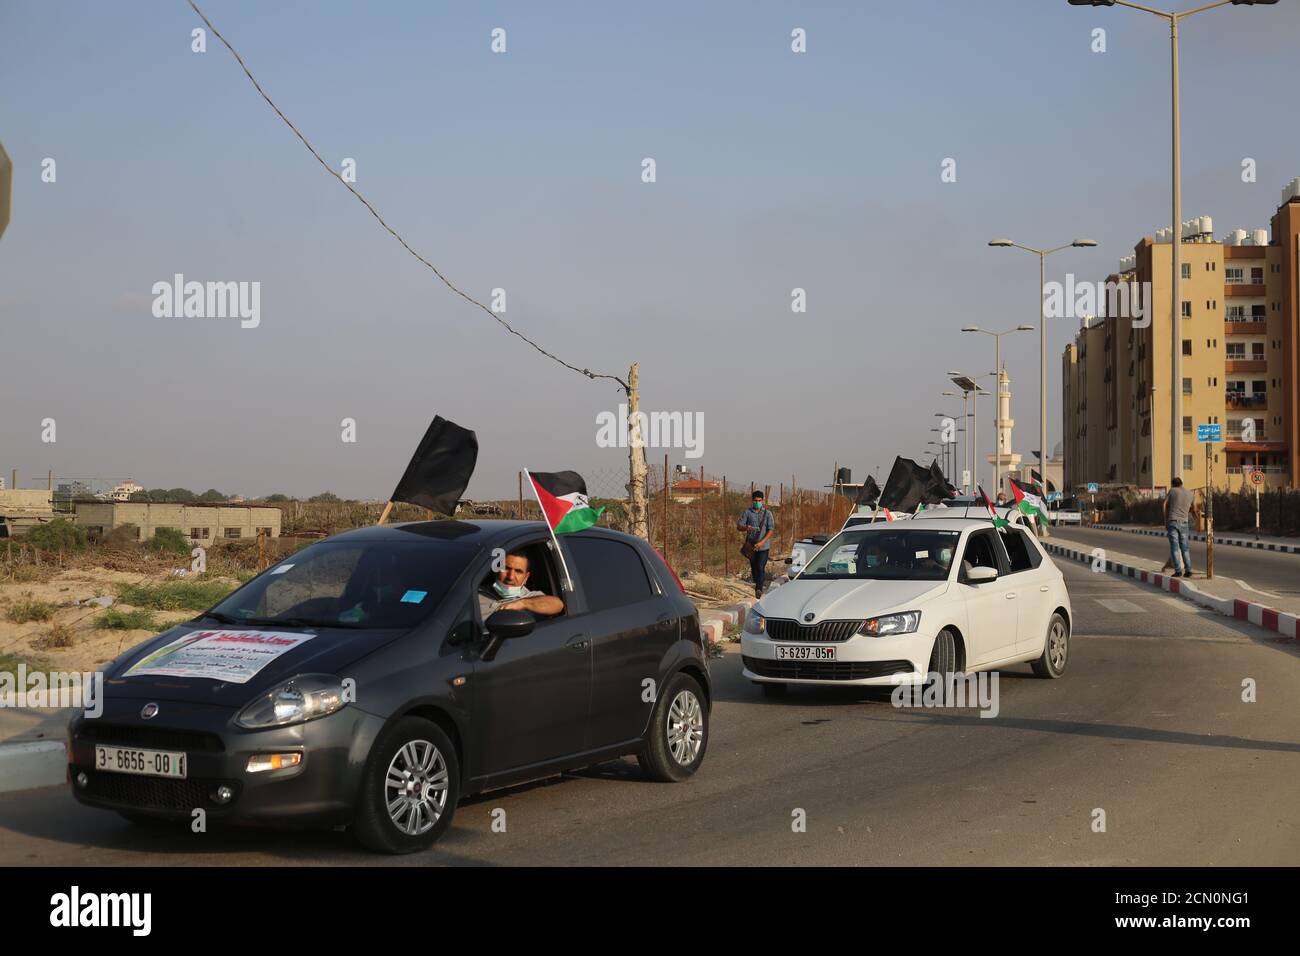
(223, 618)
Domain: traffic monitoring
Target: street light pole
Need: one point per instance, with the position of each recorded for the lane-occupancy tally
(1175, 237)
(997, 396)
(1042, 334)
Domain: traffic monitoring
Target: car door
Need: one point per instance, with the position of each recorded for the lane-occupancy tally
(632, 625)
(532, 701)
(991, 607)
(1033, 585)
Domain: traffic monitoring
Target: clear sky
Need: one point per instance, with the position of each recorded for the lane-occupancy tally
(522, 171)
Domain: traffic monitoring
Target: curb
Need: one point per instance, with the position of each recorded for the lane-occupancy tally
(715, 621)
(37, 763)
(1260, 615)
(1199, 536)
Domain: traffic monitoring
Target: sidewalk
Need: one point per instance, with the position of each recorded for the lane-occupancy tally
(32, 749)
(1236, 539)
(1227, 596)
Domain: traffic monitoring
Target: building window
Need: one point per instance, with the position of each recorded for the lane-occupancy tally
(265, 531)
(1187, 423)
(1187, 269)
(1232, 274)
(1187, 386)
(1236, 351)
(1187, 310)
(1187, 463)
(232, 533)
(1257, 350)
(1187, 346)
(200, 534)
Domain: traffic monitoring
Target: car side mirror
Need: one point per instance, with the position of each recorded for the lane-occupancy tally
(504, 625)
(981, 575)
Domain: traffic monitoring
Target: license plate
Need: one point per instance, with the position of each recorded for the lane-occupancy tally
(804, 653)
(147, 763)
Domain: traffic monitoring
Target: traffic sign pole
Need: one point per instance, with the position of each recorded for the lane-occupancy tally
(1209, 510)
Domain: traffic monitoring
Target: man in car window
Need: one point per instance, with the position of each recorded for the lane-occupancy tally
(508, 591)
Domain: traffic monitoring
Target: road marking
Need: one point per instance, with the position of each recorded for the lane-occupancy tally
(1179, 603)
(1120, 606)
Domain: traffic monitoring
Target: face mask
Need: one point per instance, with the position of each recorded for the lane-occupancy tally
(758, 506)
(506, 592)
(945, 555)
(873, 560)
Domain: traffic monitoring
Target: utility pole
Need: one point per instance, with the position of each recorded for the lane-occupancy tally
(638, 523)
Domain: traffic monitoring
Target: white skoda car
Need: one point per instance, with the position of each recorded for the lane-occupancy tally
(884, 603)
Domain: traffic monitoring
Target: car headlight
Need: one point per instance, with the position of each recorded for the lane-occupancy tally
(903, 623)
(298, 699)
(755, 623)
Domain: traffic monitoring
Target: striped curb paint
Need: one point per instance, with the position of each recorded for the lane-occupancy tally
(1270, 619)
(1198, 536)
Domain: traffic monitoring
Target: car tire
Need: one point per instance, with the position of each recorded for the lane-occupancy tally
(1056, 650)
(678, 734)
(943, 657)
(417, 751)
(774, 691)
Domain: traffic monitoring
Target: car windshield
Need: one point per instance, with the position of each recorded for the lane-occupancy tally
(362, 584)
(885, 555)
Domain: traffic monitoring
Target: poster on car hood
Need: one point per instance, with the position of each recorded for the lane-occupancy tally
(231, 656)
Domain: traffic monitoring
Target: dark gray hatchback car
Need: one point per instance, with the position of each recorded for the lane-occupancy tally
(356, 683)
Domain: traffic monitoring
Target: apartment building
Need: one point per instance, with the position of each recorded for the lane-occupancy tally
(1237, 338)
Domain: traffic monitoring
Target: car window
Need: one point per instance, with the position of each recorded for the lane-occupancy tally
(611, 572)
(884, 552)
(981, 552)
(366, 584)
(1020, 550)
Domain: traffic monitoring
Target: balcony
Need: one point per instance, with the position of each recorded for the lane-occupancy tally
(1242, 400)
(1245, 325)
(1266, 469)
(1246, 365)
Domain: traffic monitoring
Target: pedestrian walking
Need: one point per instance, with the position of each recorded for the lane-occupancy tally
(758, 524)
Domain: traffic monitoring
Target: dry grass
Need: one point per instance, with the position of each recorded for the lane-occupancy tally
(58, 636)
(26, 609)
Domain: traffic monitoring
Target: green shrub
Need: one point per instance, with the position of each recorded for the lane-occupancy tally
(174, 595)
(118, 620)
(169, 540)
(57, 535)
(27, 609)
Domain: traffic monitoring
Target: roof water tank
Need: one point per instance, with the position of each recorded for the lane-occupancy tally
(1261, 237)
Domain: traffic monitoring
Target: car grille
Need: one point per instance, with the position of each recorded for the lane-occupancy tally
(825, 670)
(153, 738)
(154, 793)
(824, 632)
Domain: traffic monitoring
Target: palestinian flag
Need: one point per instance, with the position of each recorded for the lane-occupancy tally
(997, 522)
(563, 497)
(1027, 500)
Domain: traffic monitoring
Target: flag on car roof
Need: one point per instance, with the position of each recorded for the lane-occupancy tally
(909, 485)
(940, 483)
(564, 501)
(1039, 478)
(1027, 500)
(870, 492)
(440, 469)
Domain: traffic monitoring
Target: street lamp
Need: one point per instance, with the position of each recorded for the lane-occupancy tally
(970, 388)
(1175, 238)
(1042, 332)
(997, 409)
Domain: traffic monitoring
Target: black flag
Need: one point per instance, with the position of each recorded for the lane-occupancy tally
(939, 486)
(907, 486)
(869, 492)
(1039, 478)
(440, 469)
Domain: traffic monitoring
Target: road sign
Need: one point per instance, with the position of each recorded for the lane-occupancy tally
(1092, 487)
(1206, 433)
(1053, 496)
(1255, 477)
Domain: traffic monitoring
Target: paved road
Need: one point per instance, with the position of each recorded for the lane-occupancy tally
(1148, 725)
(1267, 571)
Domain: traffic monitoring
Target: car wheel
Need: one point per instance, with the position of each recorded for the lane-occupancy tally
(943, 658)
(1056, 649)
(678, 734)
(774, 690)
(409, 789)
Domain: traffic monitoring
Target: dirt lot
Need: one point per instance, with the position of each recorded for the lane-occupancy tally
(89, 646)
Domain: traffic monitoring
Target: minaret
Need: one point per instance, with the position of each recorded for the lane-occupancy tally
(1004, 458)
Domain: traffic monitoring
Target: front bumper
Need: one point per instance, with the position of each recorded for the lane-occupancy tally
(860, 660)
(321, 790)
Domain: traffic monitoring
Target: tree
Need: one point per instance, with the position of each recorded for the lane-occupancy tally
(325, 497)
(211, 495)
(276, 498)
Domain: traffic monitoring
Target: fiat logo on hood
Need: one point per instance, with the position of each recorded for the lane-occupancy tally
(809, 616)
(149, 710)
